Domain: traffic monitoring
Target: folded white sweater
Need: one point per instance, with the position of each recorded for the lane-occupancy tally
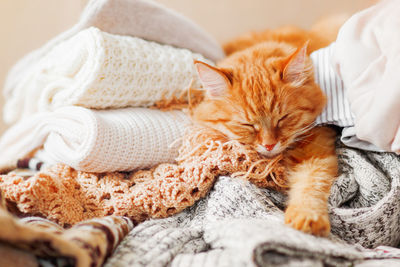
(95, 69)
(96, 141)
(145, 19)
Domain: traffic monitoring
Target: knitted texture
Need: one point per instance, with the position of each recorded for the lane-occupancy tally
(141, 18)
(86, 244)
(97, 140)
(239, 224)
(98, 70)
(236, 224)
(68, 196)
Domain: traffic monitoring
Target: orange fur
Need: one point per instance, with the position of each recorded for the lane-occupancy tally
(321, 34)
(264, 94)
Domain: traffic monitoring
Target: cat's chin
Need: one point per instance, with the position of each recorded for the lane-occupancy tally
(269, 154)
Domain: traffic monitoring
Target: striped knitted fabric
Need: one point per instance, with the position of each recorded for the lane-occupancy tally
(337, 110)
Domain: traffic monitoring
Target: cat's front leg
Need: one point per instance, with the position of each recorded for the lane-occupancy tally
(310, 182)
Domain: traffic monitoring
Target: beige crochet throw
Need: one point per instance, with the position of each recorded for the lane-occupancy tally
(67, 196)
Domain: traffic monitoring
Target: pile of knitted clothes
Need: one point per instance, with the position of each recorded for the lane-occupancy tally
(109, 168)
(82, 122)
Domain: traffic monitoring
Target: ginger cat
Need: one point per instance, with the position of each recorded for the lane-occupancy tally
(264, 94)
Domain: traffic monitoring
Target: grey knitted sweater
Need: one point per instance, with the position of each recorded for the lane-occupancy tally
(238, 224)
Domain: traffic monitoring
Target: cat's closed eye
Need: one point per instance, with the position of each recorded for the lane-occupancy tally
(282, 120)
(254, 126)
(247, 124)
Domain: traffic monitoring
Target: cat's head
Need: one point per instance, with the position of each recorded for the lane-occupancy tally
(264, 96)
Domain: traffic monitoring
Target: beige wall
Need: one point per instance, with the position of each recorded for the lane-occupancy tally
(227, 18)
(27, 24)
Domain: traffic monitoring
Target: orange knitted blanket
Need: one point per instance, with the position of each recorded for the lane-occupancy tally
(67, 196)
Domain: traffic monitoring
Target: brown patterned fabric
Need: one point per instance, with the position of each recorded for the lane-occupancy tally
(10, 256)
(88, 243)
(67, 196)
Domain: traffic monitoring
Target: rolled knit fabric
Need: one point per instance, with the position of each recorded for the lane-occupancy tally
(98, 70)
(97, 140)
(141, 18)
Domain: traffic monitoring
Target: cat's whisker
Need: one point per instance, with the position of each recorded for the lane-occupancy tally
(302, 136)
(300, 133)
(305, 141)
(306, 128)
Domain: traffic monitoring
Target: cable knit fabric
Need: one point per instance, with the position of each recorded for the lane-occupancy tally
(97, 140)
(68, 196)
(98, 70)
(239, 224)
(145, 19)
(337, 110)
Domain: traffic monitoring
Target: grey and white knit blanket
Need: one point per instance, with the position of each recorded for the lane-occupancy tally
(238, 224)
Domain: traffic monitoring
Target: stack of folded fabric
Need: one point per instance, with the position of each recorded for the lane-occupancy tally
(83, 99)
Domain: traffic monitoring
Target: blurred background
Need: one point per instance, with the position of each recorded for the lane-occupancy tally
(28, 24)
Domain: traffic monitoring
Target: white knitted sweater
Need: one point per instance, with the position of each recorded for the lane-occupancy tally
(96, 140)
(99, 70)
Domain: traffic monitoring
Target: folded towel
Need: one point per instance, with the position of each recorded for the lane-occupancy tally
(99, 70)
(141, 18)
(97, 141)
(367, 57)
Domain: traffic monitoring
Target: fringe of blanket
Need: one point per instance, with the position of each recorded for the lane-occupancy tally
(67, 196)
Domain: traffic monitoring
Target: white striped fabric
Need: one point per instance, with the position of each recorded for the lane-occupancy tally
(337, 110)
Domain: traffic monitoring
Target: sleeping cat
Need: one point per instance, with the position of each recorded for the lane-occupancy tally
(264, 94)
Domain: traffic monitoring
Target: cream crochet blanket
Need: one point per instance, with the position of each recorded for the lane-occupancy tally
(95, 69)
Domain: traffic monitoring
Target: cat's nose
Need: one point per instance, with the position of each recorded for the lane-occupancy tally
(269, 147)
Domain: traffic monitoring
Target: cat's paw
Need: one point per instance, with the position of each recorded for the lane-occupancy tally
(308, 220)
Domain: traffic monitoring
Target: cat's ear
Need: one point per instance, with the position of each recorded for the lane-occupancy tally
(213, 80)
(297, 68)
